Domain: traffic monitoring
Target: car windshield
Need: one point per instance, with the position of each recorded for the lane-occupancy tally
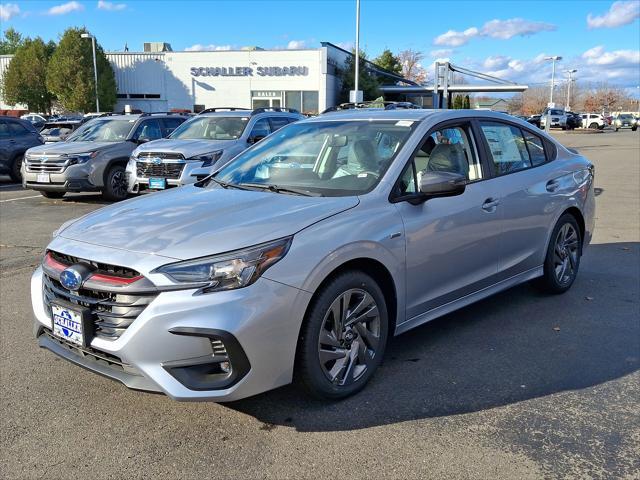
(211, 128)
(103, 130)
(625, 117)
(332, 158)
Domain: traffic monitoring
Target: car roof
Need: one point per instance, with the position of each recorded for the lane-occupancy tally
(246, 113)
(376, 114)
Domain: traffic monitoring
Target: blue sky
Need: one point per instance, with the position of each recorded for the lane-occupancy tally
(507, 38)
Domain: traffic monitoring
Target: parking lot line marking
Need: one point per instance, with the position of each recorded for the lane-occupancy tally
(19, 198)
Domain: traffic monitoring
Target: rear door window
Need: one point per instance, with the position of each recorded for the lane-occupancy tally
(278, 122)
(535, 146)
(4, 130)
(170, 124)
(507, 147)
(17, 130)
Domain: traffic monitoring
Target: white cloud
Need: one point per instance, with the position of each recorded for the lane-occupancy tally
(495, 62)
(442, 52)
(111, 7)
(207, 48)
(296, 44)
(8, 10)
(618, 58)
(620, 13)
(506, 29)
(501, 29)
(66, 8)
(456, 39)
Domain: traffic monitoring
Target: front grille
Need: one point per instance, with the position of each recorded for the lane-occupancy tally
(163, 170)
(102, 268)
(45, 164)
(164, 155)
(112, 312)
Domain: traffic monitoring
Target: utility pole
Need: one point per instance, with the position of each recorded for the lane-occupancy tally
(570, 72)
(95, 68)
(554, 59)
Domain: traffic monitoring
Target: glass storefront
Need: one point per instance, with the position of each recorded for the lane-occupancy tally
(302, 100)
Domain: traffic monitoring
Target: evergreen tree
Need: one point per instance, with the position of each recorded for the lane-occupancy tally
(70, 74)
(388, 61)
(25, 79)
(368, 82)
(11, 42)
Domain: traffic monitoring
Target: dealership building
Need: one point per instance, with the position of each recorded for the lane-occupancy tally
(163, 80)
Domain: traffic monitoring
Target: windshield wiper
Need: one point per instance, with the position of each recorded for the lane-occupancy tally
(204, 181)
(277, 189)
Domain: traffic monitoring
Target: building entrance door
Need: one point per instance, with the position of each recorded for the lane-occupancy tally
(265, 99)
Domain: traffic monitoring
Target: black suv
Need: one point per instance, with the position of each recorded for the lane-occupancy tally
(16, 137)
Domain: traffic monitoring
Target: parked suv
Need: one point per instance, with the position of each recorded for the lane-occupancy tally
(16, 136)
(195, 148)
(299, 258)
(594, 121)
(95, 156)
(59, 130)
(558, 118)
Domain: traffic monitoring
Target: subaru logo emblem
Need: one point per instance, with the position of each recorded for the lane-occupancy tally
(71, 279)
(44, 159)
(156, 160)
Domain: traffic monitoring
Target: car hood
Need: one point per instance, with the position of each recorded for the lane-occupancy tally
(62, 148)
(190, 222)
(188, 148)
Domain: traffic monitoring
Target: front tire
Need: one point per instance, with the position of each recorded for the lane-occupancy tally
(343, 338)
(115, 184)
(15, 173)
(52, 195)
(563, 256)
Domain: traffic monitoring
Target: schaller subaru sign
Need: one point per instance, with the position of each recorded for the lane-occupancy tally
(249, 72)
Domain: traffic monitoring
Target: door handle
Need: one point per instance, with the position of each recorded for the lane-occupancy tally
(490, 205)
(552, 185)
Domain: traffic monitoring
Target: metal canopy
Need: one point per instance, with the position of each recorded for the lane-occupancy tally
(444, 88)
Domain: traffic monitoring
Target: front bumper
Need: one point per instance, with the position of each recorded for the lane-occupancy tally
(175, 331)
(74, 178)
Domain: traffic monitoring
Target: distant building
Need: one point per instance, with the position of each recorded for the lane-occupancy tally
(155, 47)
(494, 104)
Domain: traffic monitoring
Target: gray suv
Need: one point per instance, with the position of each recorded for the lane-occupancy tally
(95, 156)
(299, 258)
(201, 144)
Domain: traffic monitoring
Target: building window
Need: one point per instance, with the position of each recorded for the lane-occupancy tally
(303, 101)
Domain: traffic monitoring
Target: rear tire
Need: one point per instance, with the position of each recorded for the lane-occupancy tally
(15, 173)
(594, 126)
(115, 184)
(563, 256)
(343, 337)
(52, 194)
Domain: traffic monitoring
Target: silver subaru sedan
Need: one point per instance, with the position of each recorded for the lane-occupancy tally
(302, 256)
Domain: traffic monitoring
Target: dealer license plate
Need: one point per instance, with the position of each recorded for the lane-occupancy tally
(44, 178)
(67, 324)
(157, 183)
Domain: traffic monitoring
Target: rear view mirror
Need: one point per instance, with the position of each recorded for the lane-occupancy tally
(442, 184)
(338, 141)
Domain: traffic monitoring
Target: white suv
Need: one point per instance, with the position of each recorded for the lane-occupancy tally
(593, 121)
(200, 144)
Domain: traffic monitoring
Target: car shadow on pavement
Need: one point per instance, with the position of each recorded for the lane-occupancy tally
(517, 345)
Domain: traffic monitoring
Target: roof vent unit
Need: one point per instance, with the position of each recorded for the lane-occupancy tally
(155, 47)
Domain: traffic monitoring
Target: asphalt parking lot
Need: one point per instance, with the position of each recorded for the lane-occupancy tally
(521, 385)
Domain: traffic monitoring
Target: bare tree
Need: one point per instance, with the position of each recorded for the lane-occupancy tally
(411, 67)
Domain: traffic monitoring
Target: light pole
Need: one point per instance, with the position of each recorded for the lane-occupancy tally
(570, 72)
(95, 68)
(357, 72)
(554, 59)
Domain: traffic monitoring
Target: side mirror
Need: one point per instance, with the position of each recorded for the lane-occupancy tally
(442, 184)
(200, 173)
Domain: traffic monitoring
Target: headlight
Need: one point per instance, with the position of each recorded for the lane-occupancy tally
(80, 158)
(208, 158)
(230, 270)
